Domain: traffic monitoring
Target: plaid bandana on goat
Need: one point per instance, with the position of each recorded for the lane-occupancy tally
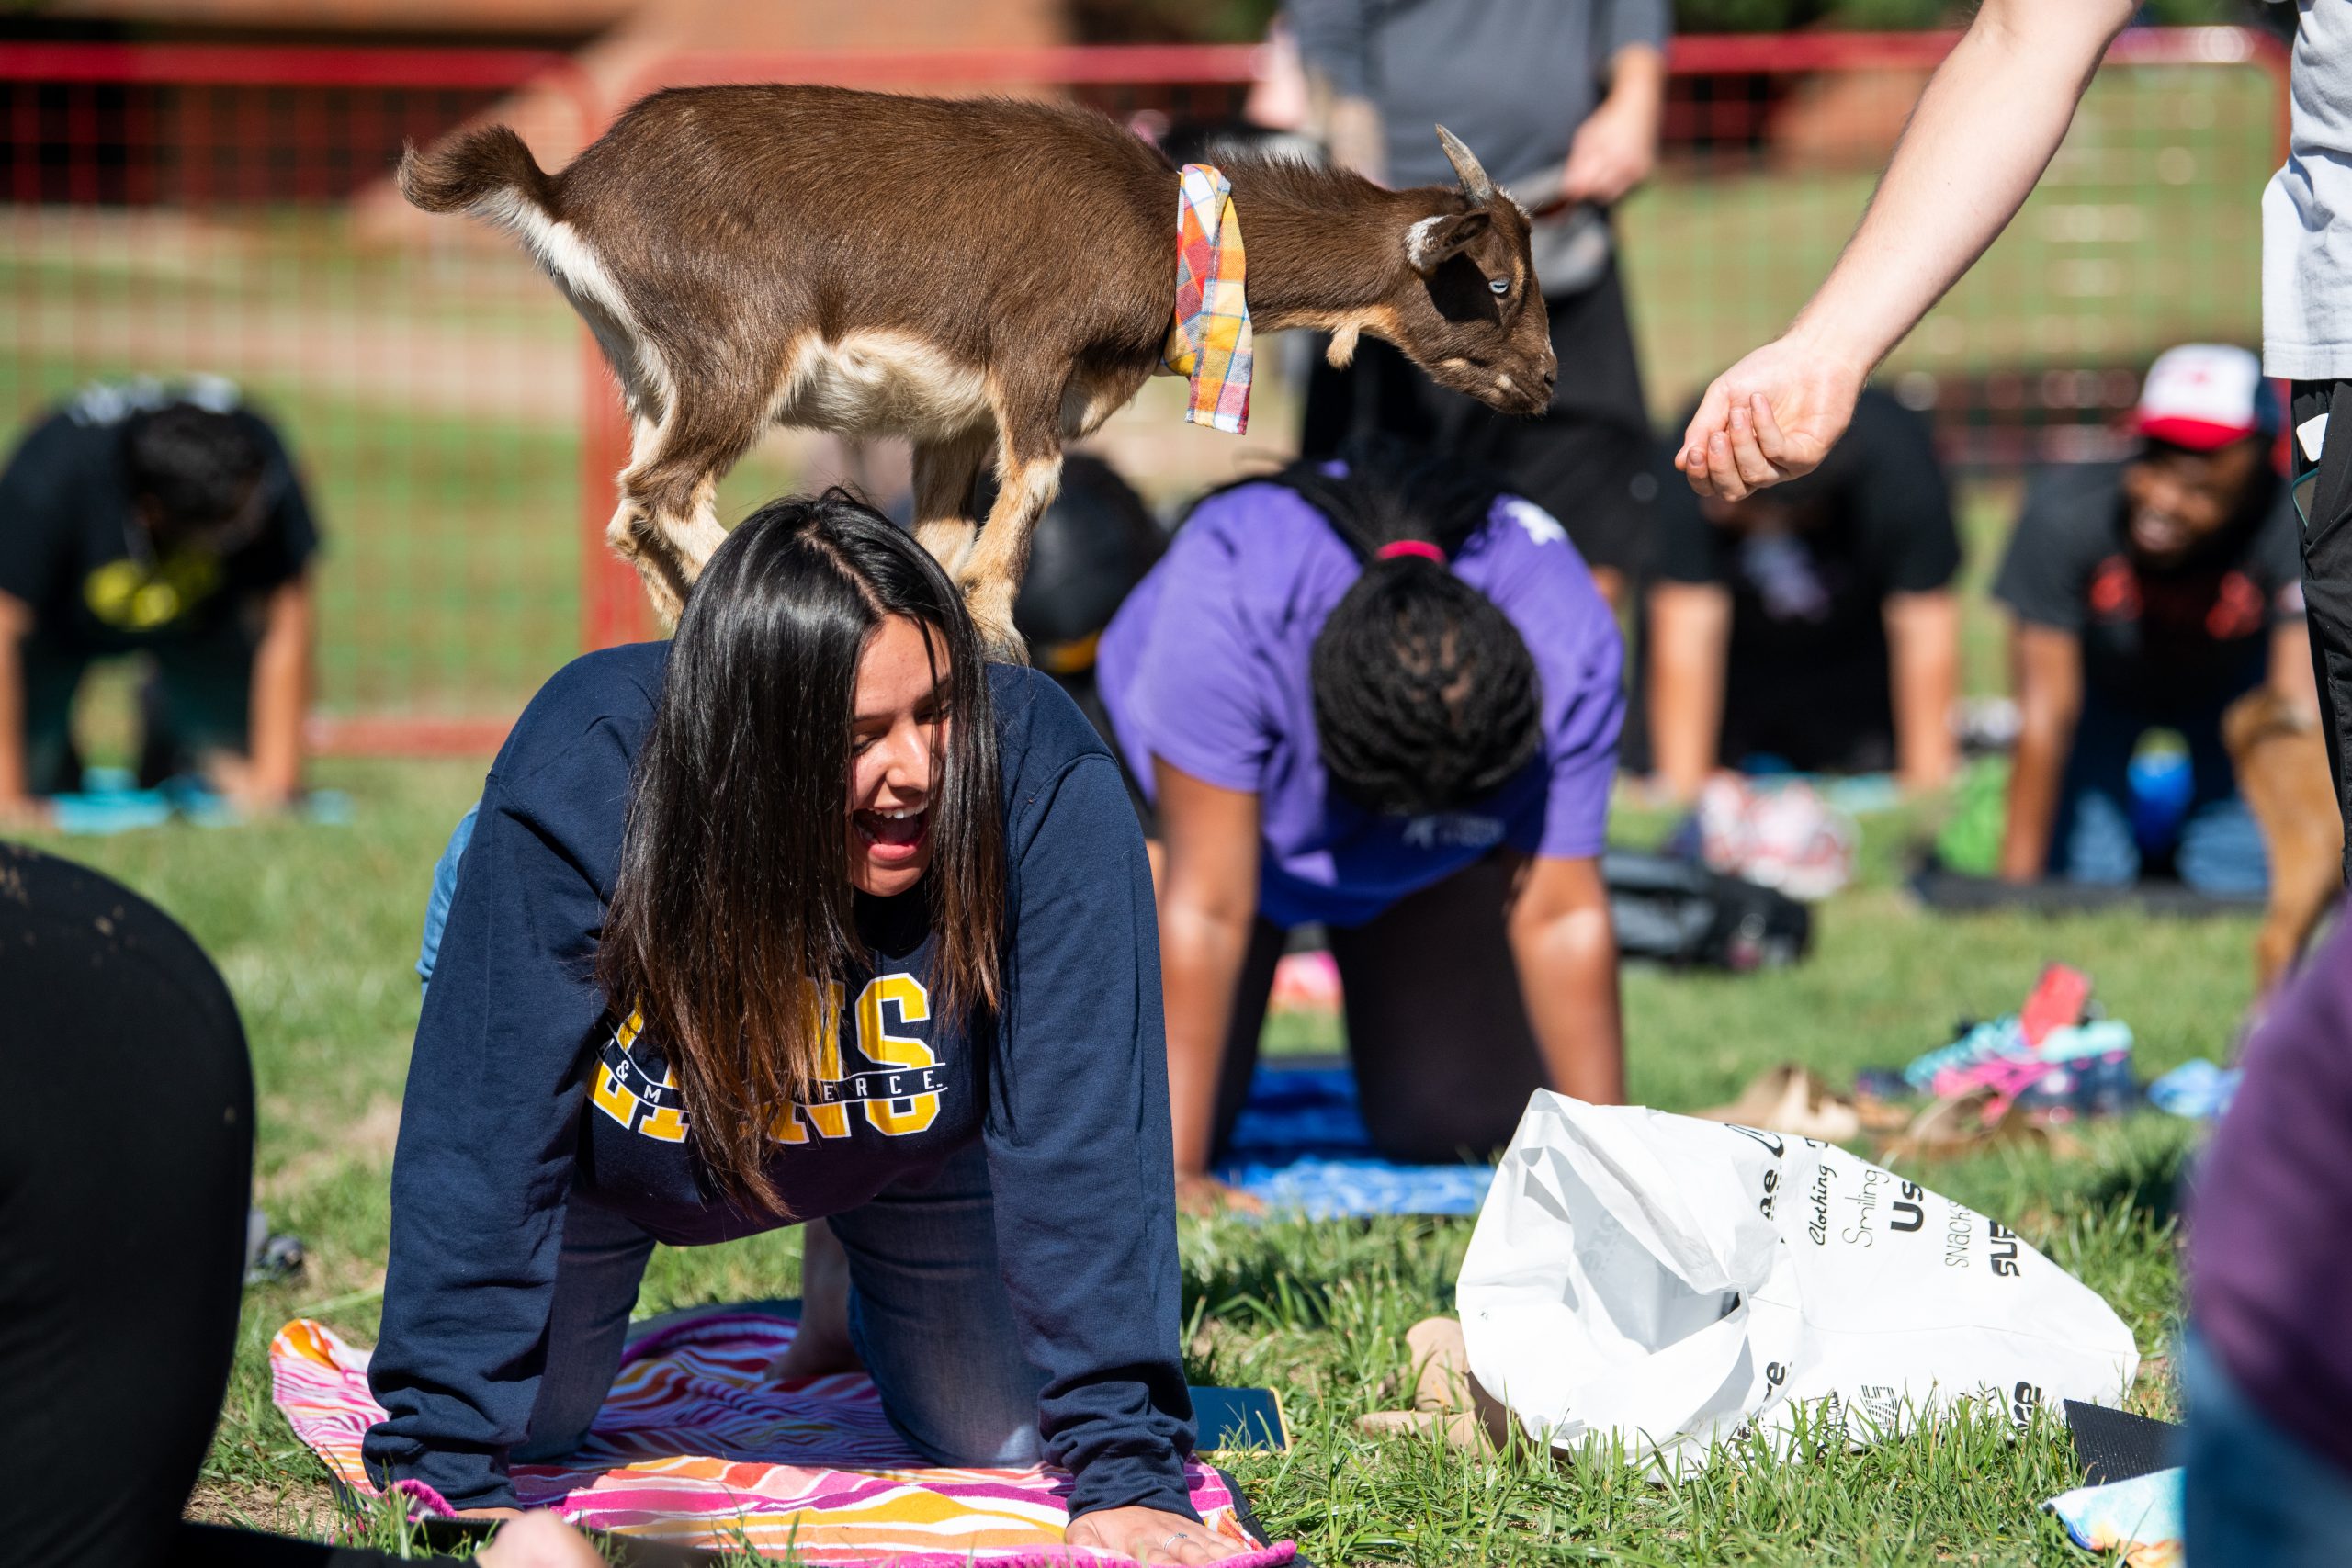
(1210, 339)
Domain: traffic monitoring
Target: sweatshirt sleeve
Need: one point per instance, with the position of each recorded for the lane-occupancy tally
(491, 1120)
(1080, 1151)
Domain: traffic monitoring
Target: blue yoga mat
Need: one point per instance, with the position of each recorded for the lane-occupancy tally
(1300, 1147)
(109, 802)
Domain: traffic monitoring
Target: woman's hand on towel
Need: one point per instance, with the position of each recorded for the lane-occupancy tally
(1150, 1536)
(533, 1540)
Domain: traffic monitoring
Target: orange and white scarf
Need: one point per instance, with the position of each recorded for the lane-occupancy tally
(1210, 339)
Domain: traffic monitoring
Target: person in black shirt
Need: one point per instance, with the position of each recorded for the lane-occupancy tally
(806, 915)
(122, 1240)
(2150, 594)
(1814, 622)
(170, 523)
(1093, 545)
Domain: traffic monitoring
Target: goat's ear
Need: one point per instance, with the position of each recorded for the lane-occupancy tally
(1432, 239)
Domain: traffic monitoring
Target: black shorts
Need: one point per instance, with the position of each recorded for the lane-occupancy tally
(2327, 575)
(1586, 459)
(194, 699)
(1444, 1054)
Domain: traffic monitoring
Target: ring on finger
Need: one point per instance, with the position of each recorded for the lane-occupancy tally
(1174, 1539)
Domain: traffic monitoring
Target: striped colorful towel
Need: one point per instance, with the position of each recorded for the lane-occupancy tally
(1210, 339)
(696, 1446)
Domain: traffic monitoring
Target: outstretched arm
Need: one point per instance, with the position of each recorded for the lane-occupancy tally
(18, 807)
(1208, 903)
(272, 776)
(1566, 951)
(1923, 650)
(1690, 640)
(1616, 146)
(1983, 131)
(2049, 675)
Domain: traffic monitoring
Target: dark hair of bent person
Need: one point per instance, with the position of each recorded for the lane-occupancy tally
(1425, 698)
(199, 466)
(732, 913)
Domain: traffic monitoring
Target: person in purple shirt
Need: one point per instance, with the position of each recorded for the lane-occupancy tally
(1383, 696)
(2267, 1370)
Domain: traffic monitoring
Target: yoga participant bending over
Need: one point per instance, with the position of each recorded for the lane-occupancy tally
(122, 1241)
(808, 913)
(1383, 697)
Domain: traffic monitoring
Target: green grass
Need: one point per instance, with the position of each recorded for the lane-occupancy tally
(316, 930)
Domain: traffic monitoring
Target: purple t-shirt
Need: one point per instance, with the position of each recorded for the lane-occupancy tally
(1206, 666)
(2270, 1272)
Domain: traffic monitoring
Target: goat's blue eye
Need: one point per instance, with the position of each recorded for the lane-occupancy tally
(1500, 285)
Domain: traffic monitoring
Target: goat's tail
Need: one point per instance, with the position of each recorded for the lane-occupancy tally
(472, 170)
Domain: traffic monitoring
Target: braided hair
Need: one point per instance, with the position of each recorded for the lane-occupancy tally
(1425, 698)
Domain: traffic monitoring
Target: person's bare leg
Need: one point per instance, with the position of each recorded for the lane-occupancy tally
(822, 1344)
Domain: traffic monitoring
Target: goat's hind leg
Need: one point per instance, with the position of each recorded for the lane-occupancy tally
(667, 524)
(944, 473)
(1027, 482)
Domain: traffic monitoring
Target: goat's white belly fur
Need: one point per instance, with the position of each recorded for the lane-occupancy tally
(880, 384)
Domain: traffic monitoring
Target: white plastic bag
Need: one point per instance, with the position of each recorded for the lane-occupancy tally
(1671, 1283)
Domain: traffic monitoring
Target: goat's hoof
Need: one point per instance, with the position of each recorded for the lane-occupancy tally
(991, 603)
(1003, 646)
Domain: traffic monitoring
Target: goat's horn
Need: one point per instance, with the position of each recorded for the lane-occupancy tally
(1466, 167)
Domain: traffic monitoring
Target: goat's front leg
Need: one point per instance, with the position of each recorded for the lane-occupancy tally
(1029, 475)
(667, 532)
(944, 472)
(667, 525)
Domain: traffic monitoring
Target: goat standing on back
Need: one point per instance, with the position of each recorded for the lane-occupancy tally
(988, 278)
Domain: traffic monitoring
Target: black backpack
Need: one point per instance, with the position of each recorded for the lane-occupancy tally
(1679, 912)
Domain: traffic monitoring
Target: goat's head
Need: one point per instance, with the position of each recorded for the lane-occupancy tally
(1465, 305)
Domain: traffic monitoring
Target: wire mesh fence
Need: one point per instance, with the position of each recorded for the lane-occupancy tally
(169, 211)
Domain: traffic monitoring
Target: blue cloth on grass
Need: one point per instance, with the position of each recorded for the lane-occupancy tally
(2197, 1090)
(1300, 1147)
(109, 802)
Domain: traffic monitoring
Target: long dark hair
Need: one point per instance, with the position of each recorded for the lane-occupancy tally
(732, 912)
(1425, 698)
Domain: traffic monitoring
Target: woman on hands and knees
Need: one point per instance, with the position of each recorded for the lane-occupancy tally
(806, 915)
(1382, 696)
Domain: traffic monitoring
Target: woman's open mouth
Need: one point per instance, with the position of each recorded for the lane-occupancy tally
(893, 837)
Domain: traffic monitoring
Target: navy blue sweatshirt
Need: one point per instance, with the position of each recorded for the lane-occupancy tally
(524, 1089)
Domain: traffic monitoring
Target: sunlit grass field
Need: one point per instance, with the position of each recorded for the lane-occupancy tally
(316, 928)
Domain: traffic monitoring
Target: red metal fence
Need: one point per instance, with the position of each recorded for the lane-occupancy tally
(175, 209)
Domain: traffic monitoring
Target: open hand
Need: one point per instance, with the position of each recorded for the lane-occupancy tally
(1773, 416)
(1150, 1536)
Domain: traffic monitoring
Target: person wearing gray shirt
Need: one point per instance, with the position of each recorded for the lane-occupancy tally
(1561, 99)
(2307, 339)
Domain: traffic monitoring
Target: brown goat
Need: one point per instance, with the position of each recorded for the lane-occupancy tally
(988, 278)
